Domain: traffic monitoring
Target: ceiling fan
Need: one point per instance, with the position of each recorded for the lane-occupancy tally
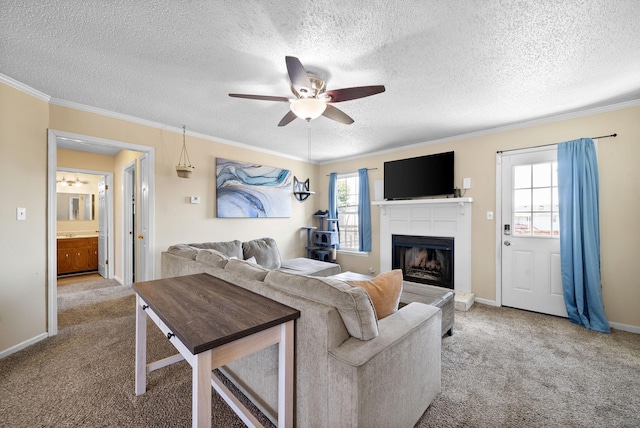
(311, 97)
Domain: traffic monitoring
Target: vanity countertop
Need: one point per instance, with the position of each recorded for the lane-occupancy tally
(77, 235)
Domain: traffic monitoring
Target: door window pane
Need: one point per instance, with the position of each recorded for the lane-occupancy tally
(542, 175)
(522, 224)
(522, 176)
(542, 199)
(541, 224)
(522, 200)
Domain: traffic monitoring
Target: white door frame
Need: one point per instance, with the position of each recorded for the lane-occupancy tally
(144, 272)
(129, 262)
(90, 144)
(110, 230)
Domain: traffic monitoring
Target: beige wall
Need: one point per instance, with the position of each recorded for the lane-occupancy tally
(475, 157)
(23, 271)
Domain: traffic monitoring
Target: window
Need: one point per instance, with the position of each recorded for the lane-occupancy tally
(347, 194)
(535, 200)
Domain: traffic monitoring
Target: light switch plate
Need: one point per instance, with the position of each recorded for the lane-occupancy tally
(195, 199)
(489, 215)
(21, 213)
(466, 183)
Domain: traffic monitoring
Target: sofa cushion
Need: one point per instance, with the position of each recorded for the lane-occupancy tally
(384, 291)
(246, 269)
(265, 250)
(229, 249)
(353, 303)
(183, 250)
(212, 257)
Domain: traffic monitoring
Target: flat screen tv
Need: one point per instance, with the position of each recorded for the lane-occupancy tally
(423, 176)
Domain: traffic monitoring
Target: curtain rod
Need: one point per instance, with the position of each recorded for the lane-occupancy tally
(368, 169)
(546, 145)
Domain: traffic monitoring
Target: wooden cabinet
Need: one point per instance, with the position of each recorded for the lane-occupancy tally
(77, 255)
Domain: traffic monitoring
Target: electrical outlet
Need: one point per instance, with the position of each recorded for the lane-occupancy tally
(466, 183)
(195, 199)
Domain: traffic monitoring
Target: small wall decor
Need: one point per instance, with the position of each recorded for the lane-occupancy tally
(301, 189)
(250, 190)
(182, 169)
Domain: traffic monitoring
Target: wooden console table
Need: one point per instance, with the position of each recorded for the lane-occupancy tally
(212, 322)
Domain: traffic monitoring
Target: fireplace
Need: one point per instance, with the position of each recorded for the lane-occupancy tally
(424, 259)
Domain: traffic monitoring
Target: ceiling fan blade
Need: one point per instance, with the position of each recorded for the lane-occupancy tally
(260, 97)
(298, 75)
(288, 118)
(346, 94)
(338, 115)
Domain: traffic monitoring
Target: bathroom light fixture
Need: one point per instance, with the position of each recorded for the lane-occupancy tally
(71, 183)
(182, 169)
(308, 108)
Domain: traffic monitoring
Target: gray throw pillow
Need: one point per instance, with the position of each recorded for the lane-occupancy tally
(246, 269)
(229, 249)
(265, 251)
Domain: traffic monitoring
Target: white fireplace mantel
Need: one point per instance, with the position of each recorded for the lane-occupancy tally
(448, 217)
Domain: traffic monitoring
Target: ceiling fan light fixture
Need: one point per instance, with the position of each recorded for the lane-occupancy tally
(308, 108)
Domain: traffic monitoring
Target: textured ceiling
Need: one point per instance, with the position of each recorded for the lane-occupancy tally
(449, 67)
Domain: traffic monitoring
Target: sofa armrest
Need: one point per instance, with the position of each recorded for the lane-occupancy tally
(389, 380)
(393, 329)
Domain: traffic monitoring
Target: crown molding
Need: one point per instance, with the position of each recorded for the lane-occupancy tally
(157, 125)
(490, 131)
(24, 88)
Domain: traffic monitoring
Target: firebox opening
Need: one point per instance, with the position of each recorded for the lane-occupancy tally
(424, 259)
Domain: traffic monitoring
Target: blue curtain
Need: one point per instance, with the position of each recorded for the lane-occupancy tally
(364, 211)
(333, 199)
(580, 233)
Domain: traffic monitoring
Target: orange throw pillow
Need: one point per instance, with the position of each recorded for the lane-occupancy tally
(384, 291)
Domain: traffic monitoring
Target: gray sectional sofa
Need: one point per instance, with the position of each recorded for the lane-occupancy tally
(351, 370)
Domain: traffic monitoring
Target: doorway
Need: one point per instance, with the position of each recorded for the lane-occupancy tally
(85, 143)
(528, 230)
(92, 221)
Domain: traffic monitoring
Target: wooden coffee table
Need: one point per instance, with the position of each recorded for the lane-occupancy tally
(212, 322)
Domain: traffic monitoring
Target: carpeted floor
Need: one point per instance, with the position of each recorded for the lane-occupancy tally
(502, 367)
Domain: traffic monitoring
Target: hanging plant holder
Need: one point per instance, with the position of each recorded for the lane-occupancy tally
(184, 167)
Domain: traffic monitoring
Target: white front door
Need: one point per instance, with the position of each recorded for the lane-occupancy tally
(530, 232)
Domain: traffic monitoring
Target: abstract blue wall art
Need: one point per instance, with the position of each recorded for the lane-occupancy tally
(250, 190)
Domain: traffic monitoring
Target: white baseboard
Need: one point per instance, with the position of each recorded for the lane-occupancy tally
(118, 279)
(21, 346)
(625, 327)
(486, 301)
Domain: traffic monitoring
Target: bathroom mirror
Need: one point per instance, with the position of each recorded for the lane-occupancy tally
(76, 206)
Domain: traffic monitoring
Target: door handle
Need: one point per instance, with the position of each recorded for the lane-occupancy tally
(507, 243)
(140, 236)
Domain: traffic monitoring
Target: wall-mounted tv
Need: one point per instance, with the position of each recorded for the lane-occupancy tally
(423, 176)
